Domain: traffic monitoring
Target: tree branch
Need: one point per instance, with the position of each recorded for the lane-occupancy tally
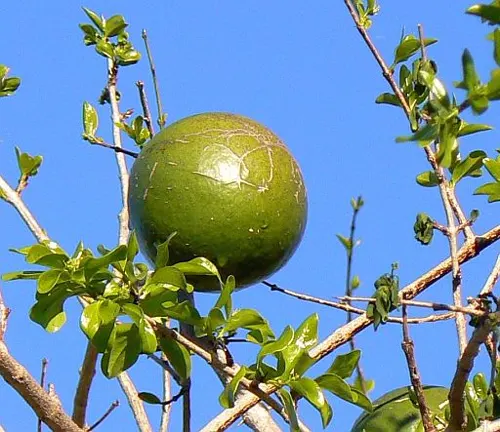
(342, 335)
(87, 373)
(46, 406)
(113, 406)
(464, 368)
(408, 348)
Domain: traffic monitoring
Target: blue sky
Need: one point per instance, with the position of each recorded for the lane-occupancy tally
(301, 69)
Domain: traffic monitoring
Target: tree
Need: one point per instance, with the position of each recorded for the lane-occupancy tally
(436, 122)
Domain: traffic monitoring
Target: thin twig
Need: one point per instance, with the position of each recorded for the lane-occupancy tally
(464, 368)
(115, 148)
(342, 335)
(492, 278)
(408, 348)
(15, 200)
(430, 305)
(167, 395)
(348, 283)
(166, 365)
(186, 407)
(42, 384)
(145, 107)
(87, 373)
(123, 217)
(113, 406)
(160, 119)
(128, 387)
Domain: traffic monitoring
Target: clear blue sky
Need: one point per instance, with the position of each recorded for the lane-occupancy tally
(301, 69)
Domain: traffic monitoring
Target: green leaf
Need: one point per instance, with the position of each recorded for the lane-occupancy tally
(149, 398)
(132, 247)
(225, 300)
(278, 345)
(493, 168)
(427, 179)
(243, 318)
(424, 135)
(471, 78)
(177, 355)
(91, 34)
(156, 298)
(346, 242)
(480, 385)
(184, 312)
(105, 48)
(386, 299)
(115, 25)
(408, 46)
(423, 228)
(490, 189)
(310, 389)
(48, 309)
(98, 21)
(28, 165)
(162, 255)
(490, 13)
(49, 279)
(170, 278)
(336, 385)
(98, 321)
(7, 85)
(289, 406)
(22, 275)
(468, 166)
(113, 256)
(469, 129)
(90, 119)
(47, 254)
(198, 267)
(388, 99)
(146, 332)
(127, 57)
(226, 399)
(493, 86)
(496, 44)
(123, 350)
(345, 364)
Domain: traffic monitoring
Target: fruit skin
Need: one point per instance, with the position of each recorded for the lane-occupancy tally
(230, 189)
(394, 411)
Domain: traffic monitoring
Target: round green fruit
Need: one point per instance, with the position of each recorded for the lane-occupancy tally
(230, 190)
(395, 412)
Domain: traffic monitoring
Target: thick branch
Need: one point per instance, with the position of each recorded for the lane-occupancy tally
(87, 374)
(464, 368)
(135, 403)
(47, 407)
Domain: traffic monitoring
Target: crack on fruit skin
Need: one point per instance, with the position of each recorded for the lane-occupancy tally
(146, 191)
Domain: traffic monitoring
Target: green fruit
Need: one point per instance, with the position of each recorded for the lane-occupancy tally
(228, 187)
(395, 412)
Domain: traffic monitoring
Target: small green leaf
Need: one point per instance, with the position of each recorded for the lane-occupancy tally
(289, 406)
(22, 275)
(345, 364)
(388, 99)
(278, 345)
(132, 247)
(469, 129)
(28, 165)
(198, 267)
(150, 398)
(310, 390)
(113, 256)
(115, 25)
(177, 355)
(90, 119)
(98, 321)
(496, 44)
(224, 300)
(123, 350)
(493, 168)
(156, 298)
(48, 309)
(48, 280)
(170, 278)
(480, 385)
(105, 48)
(409, 46)
(471, 78)
(424, 135)
(490, 13)
(226, 399)
(162, 255)
(427, 179)
(490, 189)
(468, 166)
(346, 242)
(94, 18)
(243, 318)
